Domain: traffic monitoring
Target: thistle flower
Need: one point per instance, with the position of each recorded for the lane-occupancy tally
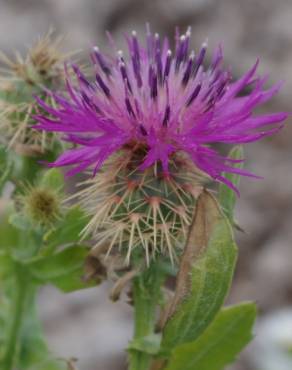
(20, 79)
(148, 122)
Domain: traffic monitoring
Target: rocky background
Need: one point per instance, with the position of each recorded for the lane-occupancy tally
(85, 324)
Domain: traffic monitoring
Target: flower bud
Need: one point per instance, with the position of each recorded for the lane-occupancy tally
(41, 205)
(22, 79)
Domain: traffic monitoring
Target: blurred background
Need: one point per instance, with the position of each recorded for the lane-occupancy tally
(86, 325)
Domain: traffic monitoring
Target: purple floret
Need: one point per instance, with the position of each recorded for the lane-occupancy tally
(166, 101)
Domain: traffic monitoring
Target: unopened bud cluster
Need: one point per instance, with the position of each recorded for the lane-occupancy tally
(23, 78)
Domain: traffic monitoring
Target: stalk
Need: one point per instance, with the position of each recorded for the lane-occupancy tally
(18, 307)
(146, 295)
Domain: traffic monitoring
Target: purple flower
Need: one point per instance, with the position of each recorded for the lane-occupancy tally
(163, 101)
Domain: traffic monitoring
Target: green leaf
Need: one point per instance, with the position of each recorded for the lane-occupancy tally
(204, 277)
(68, 230)
(219, 345)
(227, 196)
(53, 179)
(149, 344)
(74, 281)
(57, 265)
(64, 269)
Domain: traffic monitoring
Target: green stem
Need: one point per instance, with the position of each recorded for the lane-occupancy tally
(19, 301)
(22, 288)
(146, 294)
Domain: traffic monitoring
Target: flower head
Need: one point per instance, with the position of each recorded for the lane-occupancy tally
(161, 100)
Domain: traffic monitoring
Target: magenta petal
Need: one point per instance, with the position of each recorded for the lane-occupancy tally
(164, 101)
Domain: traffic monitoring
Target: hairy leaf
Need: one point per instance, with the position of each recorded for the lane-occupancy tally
(68, 230)
(219, 345)
(58, 264)
(75, 281)
(204, 277)
(64, 269)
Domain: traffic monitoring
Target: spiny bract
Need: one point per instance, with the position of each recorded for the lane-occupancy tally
(130, 208)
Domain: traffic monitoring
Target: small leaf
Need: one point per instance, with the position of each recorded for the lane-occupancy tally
(74, 281)
(149, 344)
(64, 269)
(53, 179)
(204, 277)
(227, 196)
(68, 230)
(219, 345)
(57, 265)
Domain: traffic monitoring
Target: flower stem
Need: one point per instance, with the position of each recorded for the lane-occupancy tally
(19, 301)
(146, 294)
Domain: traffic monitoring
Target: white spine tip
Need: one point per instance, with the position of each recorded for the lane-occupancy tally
(182, 38)
(96, 48)
(134, 33)
(148, 28)
(205, 44)
(169, 53)
(189, 31)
